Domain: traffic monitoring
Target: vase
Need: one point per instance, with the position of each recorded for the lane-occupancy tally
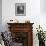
(41, 43)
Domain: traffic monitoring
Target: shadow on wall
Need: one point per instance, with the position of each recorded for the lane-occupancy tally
(43, 6)
(0, 15)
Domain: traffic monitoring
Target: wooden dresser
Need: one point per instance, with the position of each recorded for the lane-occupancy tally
(22, 33)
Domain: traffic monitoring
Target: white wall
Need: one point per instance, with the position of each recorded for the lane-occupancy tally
(33, 13)
(43, 6)
(43, 14)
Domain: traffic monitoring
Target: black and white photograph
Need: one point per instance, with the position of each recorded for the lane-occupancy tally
(20, 9)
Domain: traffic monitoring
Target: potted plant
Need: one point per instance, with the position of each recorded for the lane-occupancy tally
(41, 36)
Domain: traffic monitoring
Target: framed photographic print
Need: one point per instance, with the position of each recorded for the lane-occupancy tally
(20, 9)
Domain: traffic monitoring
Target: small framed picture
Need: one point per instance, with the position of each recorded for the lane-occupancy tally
(20, 9)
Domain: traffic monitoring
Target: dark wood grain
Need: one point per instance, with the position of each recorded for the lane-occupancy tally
(22, 27)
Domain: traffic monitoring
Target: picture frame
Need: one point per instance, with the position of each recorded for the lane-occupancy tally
(20, 9)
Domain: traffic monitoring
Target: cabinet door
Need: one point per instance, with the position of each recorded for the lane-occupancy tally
(20, 37)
